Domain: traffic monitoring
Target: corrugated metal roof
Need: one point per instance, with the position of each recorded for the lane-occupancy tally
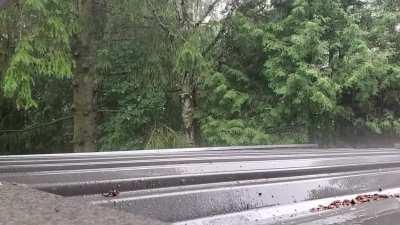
(233, 185)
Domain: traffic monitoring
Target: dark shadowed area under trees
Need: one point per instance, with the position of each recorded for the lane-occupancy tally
(101, 75)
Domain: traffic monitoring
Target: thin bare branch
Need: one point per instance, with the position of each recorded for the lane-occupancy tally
(231, 8)
(160, 20)
(38, 126)
(210, 9)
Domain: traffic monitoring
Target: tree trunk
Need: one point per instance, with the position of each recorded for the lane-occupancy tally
(188, 107)
(84, 80)
(84, 107)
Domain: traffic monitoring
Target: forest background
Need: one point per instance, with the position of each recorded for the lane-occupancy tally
(97, 75)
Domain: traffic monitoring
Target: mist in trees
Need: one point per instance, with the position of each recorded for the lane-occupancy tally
(100, 75)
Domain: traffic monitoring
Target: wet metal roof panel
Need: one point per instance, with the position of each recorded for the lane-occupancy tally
(230, 185)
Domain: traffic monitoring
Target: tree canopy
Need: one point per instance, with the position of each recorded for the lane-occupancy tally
(133, 74)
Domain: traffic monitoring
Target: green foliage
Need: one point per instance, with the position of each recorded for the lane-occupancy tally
(300, 68)
(189, 58)
(127, 126)
(292, 71)
(316, 56)
(312, 58)
(135, 77)
(165, 137)
(41, 36)
(232, 97)
(44, 129)
(233, 132)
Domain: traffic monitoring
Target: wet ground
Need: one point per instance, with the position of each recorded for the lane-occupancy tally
(252, 185)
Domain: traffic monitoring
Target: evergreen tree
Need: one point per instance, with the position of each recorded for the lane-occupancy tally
(34, 43)
(133, 74)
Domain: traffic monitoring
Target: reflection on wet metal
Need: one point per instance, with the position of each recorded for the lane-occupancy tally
(218, 186)
(376, 213)
(299, 213)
